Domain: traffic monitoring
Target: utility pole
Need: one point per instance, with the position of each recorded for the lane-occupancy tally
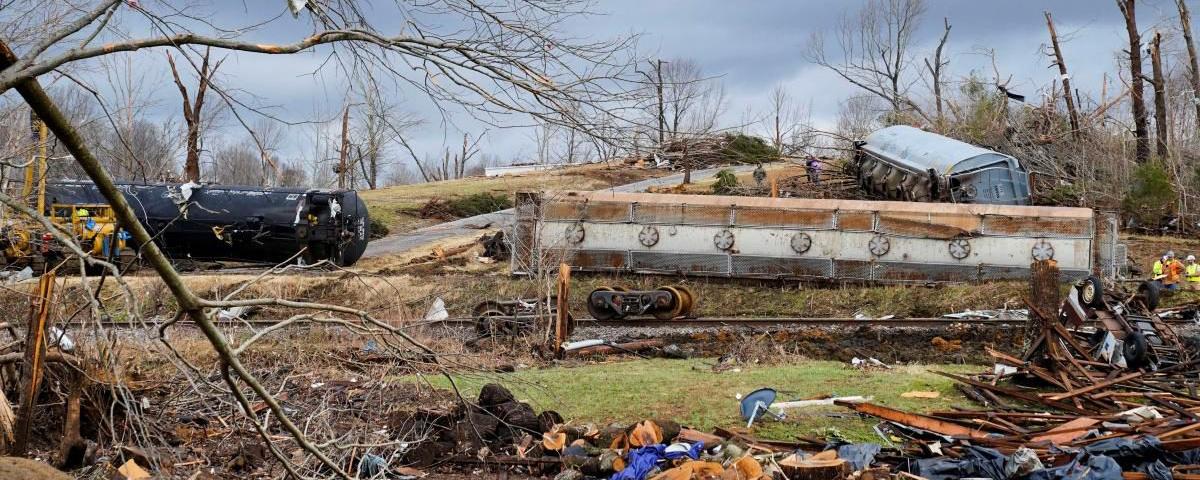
(1072, 114)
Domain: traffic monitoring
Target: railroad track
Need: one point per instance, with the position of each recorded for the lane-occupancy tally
(688, 322)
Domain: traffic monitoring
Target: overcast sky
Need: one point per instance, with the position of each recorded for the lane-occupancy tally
(752, 46)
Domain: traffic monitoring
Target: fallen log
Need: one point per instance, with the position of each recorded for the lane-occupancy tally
(638, 346)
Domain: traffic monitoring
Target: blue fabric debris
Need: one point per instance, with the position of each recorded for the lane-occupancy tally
(640, 462)
(1144, 455)
(975, 462)
(859, 455)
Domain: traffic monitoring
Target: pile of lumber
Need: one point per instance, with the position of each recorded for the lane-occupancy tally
(1061, 409)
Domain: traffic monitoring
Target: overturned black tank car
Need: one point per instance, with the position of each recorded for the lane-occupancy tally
(235, 223)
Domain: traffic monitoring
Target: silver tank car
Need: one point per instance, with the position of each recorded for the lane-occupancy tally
(910, 164)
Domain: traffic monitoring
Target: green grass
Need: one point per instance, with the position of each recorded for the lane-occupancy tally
(390, 204)
(687, 391)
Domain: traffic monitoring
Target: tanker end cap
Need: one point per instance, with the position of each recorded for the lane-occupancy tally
(358, 224)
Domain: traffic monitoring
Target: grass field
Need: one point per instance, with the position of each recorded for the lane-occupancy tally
(390, 204)
(689, 392)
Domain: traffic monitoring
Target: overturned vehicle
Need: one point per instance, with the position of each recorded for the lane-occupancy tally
(1122, 329)
(909, 164)
(237, 223)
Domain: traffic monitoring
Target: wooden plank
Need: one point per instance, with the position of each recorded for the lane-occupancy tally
(1096, 386)
(922, 422)
(562, 309)
(1068, 431)
(1012, 393)
(35, 355)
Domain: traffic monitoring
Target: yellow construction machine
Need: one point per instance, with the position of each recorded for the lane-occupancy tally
(26, 242)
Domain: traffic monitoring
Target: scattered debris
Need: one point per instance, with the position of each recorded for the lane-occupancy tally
(232, 314)
(870, 362)
(495, 247)
(437, 311)
(9, 276)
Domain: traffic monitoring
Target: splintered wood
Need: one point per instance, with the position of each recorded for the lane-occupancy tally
(1064, 395)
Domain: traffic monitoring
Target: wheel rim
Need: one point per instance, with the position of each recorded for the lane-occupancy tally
(1089, 293)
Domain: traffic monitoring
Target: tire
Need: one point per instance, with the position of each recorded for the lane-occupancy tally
(1136, 350)
(1091, 292)
(1148, 294)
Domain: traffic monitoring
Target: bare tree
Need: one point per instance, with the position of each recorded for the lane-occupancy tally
(1069, 96)
(858, 116)
(488, 60)
(377, 127)
(452, 164)
(1137, 90)
(935, 74)
(784, 120)
(874, 51)
(1185, 24)
(291, 175)
(237, 164)
(193, 110)
(686, 89)
(1159, 83)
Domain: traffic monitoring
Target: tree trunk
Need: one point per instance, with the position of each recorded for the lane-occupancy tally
(1140, 131)
(188, 302)
(1160, 97)
(662, 118)
(935, 71)
(1185, 24)
(345, 151)
(1072, 114)
(192, 114)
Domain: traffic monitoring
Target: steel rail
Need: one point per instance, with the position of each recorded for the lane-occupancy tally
(680, 322)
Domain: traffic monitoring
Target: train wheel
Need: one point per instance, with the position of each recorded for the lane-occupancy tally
(676, 305)
(486, 306)
(598, 310)
(690, 296)
(490, 323)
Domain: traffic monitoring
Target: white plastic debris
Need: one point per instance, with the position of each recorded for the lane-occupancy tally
(868, 362)
(18, 276)
(234, 313)
(1108, 346)
(185, 191)
(335, 208)
(60, 338)
(1002, 370)
(296, 6)
(1021, 463)
(582, 344)
(437, 311)
(1140, 414)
